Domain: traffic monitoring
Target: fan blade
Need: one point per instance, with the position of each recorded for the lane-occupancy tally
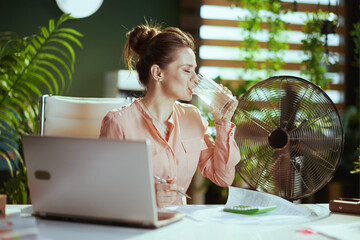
(320, 132)
(304, 184)
(313, 140)
(244, 115)
(283, 173)
(288, 107)
(250, 131)
(252, 170)
(310, 149)
(268, 103)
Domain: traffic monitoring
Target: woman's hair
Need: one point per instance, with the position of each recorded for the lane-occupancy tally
(154, 45)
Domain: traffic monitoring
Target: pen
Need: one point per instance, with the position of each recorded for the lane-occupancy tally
(164, 181)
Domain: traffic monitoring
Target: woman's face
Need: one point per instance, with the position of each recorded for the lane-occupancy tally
(179, 76)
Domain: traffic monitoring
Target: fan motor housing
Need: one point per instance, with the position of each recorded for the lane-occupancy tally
(279, 138)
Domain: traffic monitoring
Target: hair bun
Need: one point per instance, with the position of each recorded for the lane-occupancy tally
(140, 36)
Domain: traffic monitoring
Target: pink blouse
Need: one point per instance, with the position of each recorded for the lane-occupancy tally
(189, 144)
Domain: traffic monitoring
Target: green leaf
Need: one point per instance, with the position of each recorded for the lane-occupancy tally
(30, 48)
(15, 151)
(62, 19)
(30, 67)
(51, 25)
(11, 115)
(42, 79)
(22, 87)
(45, 32)
(4, 85)
(59, 50)
(8, 120)
(69, 37)
(16, 67)
(51, 77)
(71, 31)
(40, 39)
(70, 58)
(54, 68)
(35, 43)
(55, 58)
(19, 103)
(6, 157)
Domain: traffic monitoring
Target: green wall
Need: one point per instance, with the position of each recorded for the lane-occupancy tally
(104, 33)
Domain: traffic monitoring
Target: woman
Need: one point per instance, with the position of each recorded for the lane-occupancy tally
(166, 65)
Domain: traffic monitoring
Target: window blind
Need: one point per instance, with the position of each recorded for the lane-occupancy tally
(215, 24)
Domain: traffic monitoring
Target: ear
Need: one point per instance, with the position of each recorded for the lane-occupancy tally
(156, 72)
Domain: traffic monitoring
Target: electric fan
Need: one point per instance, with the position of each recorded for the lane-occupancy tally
(290, 137)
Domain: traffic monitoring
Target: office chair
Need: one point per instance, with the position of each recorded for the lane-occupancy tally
(75, 116)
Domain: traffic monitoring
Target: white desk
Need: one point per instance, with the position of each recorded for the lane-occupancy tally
(187, 229)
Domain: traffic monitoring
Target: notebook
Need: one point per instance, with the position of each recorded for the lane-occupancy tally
(101, 180)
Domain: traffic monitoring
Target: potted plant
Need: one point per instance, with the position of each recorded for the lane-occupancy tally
(30, 67)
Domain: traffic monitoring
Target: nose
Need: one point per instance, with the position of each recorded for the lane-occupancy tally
(194, 77)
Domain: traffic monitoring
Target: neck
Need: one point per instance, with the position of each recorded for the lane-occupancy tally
(159, 107)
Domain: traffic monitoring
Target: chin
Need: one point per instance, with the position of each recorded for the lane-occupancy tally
(186, 99)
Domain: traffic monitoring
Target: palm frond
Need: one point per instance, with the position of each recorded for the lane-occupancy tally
(28, 65)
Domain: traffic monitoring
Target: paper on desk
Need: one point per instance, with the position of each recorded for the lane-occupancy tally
(286, 212)
(16, 227)
(239, 196)
(345, 231)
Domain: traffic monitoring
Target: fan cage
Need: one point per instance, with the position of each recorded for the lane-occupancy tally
(290, 137)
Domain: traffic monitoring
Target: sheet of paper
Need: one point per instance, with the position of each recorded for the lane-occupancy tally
(16, 227)
(240, 196)
(345, 231)
(287, 212)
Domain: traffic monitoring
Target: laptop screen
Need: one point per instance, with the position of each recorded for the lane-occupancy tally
(100, 179)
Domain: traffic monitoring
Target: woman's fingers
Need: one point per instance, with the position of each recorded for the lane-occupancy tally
(168, 187)
(220, 118)
(226, 89)
(166, 193)
(171, 180)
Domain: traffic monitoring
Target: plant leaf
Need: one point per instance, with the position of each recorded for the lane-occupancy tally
(42, 79)
(62, 19)
(51, 77)
(50, 56)
(8, 161)
(71, 31)
(51, 25)
(69, 37)
(45, 32)
(58, 50)
(30, 67)
(54, 68)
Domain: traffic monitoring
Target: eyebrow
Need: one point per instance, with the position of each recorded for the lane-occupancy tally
(189, 65)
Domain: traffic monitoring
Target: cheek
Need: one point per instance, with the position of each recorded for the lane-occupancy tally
(181, 81)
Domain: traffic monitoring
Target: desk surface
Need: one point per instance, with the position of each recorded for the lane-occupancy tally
(335, 226)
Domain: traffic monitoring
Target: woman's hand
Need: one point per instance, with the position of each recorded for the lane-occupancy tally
(166, 192)
(220, 118)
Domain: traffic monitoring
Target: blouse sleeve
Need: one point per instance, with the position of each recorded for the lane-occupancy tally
(218, 161)
(110, 127)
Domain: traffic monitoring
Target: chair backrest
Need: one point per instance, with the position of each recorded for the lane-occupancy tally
(75, 116)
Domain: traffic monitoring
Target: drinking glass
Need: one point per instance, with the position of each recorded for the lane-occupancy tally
(215, 96)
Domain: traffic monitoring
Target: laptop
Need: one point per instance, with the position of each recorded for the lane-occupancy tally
(95, 180)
